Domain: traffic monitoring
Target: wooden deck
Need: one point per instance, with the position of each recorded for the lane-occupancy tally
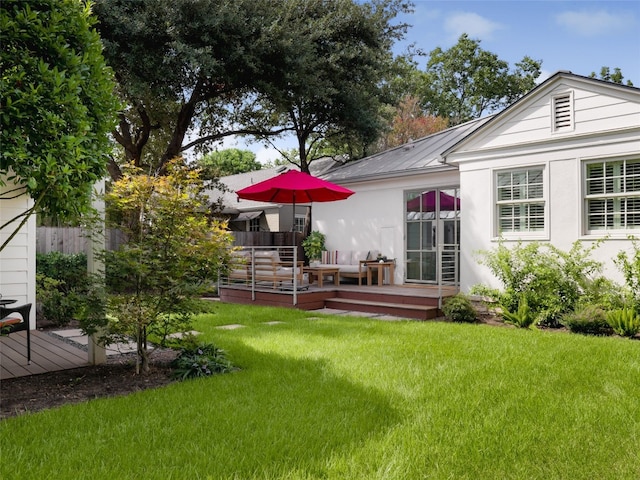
(418, 302)
(48, 354)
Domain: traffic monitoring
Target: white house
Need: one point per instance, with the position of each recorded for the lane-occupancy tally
(18, 259)
(559, 165)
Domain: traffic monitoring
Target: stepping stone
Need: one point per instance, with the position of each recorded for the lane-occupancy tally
(273, 323)
(72, 332)
(182, 334)
(232, 326)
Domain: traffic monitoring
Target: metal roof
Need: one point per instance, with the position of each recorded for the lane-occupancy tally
(417, 156)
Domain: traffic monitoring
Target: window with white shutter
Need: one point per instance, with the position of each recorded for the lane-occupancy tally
(612, 195)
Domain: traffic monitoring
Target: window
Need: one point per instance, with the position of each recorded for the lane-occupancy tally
(254, 224)
(612, 195)
(520, 204)
(562, 114)
(300, 222)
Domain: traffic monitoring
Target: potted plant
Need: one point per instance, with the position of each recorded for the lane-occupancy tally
(313, 246)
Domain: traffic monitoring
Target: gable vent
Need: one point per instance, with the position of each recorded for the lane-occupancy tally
(562, 112)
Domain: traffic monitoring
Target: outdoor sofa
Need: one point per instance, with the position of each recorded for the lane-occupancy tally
(348, 262)
(265, 267)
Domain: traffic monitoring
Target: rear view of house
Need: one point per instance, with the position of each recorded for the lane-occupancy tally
(559, 165)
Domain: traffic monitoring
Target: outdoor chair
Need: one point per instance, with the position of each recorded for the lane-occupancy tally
(11, 323)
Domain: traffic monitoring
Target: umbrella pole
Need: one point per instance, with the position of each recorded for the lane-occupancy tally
(293, 215)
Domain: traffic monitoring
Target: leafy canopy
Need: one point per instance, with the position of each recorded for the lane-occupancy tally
(194, 72)
(227, 162)
(466, 82)
(58, 105)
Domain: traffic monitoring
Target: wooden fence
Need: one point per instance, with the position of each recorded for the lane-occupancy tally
(74, 240)
(71, 240)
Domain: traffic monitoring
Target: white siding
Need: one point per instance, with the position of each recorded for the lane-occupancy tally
(596, 110)
(18, 259)
(607, 125)
(373, 218)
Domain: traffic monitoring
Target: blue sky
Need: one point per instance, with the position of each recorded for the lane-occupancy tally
(579, 36)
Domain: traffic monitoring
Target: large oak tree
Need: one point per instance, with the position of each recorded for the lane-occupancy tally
(193, 72)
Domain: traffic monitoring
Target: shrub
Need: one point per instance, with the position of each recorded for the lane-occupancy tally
(587, 320)
(55, 304)
(200, 361)
(624, 321)
(552, 280)
(459, 309)
(629, 265)
(69, 269)
(521, 318)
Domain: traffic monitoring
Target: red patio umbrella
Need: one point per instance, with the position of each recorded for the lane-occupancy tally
(294, 187)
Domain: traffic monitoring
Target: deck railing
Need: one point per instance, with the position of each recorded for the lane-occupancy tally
(267, 269)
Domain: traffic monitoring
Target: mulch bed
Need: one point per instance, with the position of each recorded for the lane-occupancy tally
(116, 377)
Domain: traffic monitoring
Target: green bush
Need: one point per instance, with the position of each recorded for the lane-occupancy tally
(587, 320)
(624, 321)
(629, 265)
(64, 289)
(552, 280)
(55, 304)
(521, 318)
(459, 309)
(70, 269)
(200, 361)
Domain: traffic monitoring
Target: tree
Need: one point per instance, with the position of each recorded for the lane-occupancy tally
(205, 69)
(410, 123)
(182, 69)
(615, 77)
(173, 251)
(336, 55)
(227, 162)
(58, 107)
(466, 82)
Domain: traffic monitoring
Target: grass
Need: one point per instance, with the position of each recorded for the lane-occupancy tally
(352, 398)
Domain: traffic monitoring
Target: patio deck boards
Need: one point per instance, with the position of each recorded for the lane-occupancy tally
(48, 354)
(418, 302)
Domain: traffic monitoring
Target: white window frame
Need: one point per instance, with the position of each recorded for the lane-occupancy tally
(542, 234)
(615, 197)
(253, 225)
(571, 120)
(297, 227)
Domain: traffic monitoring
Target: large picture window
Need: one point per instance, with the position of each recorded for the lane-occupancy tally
(612, 195)
(520, 205)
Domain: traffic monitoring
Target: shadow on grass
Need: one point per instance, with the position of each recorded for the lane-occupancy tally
(278, 417)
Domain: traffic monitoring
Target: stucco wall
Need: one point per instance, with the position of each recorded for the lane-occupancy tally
(18, 259)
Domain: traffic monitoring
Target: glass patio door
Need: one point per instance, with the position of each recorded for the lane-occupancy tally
(432, 236)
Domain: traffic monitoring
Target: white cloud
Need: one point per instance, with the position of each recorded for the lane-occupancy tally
(472, 24)
(594, 23)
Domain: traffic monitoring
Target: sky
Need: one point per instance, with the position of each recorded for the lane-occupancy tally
(578, 36)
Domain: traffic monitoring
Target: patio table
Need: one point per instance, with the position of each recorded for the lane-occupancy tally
(389, 266)
(320, 272)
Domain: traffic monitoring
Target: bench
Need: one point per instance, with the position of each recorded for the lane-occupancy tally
(11, 324)
(264, 266)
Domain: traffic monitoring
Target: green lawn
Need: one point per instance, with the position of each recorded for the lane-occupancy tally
(353, 398)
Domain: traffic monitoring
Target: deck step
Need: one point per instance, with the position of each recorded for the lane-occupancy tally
(420, 312)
